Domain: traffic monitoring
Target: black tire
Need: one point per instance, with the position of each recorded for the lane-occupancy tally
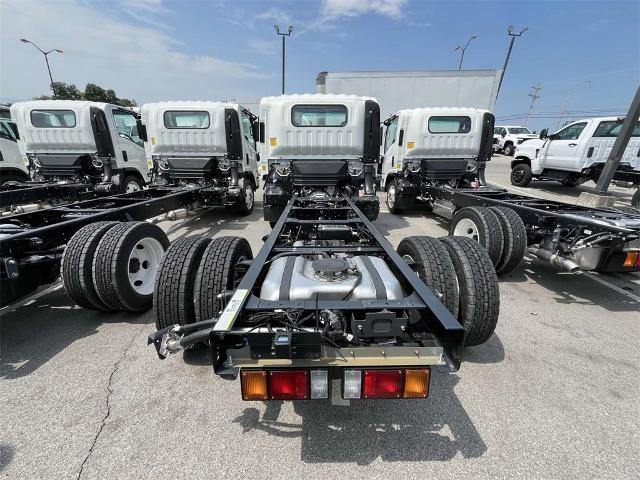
(77, 264)
(571, 182)
(113, 262)
(478, 286)
(515, 239)
(247, 197)
(217, 274)
(12, 179)
(173, 290)
(131, 180)
(521, 175)
(392, 190)
(483, 226)
(508, 150)
(434, 267)
(635, 200)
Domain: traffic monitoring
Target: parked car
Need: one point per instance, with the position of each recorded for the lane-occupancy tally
(507, 138)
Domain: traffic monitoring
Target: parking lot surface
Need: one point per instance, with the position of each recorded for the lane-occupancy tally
(553, 394)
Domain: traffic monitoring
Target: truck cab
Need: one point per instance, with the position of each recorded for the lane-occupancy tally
(71, 141)
(507, 138)
(576, 154)
(431, 146)
(205, 144)
(12, 168)
(319, 145)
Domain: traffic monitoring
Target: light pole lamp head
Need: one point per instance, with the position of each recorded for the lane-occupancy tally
(510, 29)
(457, 49)
(277, 28)
(290, 28)
(473, 37)
(57, 50)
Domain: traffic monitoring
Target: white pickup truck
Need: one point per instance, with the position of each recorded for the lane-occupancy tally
(12, 168)
(576, 154)
(507, 138)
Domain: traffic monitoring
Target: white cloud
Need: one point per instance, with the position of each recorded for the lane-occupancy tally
(263, 47)
(144, 63)
(352, 8)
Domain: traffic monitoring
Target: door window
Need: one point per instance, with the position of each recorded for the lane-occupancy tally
(390, 135)
(126, 126)
(245, 119)
(5, 132)
(572, 132)
(611, 129)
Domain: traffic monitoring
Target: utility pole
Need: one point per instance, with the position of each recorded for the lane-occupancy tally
(534, 96)
(46, 59)
(464, 49)
(283, 35)
(506, 60)
(565, 109)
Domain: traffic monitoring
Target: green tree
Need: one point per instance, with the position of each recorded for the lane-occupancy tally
(92, 92)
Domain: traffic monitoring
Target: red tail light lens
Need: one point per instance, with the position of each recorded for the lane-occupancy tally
(289, 384)
(382, 384)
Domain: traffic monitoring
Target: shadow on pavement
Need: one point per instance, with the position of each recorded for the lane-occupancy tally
(435, 429)
(570, 288)
(6, 455)
(33, 334)
(490, 352)
(556, 188)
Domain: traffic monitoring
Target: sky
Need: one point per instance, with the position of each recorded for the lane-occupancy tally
(154, 50)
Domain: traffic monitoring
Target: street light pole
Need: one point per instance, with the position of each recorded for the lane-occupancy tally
(464, 49)
(506, 60)
(46, 59)
(565, 109)
(283, 35)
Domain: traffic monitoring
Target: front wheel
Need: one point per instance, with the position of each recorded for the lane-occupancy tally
(131, 183)
(521, 175)
(392, 192)
(247, 198)
(11, 180)
(509, 150)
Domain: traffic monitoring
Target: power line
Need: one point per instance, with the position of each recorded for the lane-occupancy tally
(534, 96)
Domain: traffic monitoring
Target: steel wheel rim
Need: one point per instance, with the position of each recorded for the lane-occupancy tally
(467, 228)
(391, 196)
(248, 197)
(132, 186)
(144, 262)
(518, 175)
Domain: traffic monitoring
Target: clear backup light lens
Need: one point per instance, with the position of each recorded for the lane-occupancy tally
(352, 384)
(319, 383)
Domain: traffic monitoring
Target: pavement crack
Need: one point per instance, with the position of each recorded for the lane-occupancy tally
(108, 398)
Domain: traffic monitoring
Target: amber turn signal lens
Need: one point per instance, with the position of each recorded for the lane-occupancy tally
(254, 385)
(416, 383)
(630, 261)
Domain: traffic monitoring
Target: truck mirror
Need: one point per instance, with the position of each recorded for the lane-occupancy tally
(544, 133)
(255, 131)
(142, 130)
(233, 134)
(261, 132)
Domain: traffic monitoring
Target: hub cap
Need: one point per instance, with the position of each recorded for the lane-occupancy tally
(391, 196)
(132, 186)
(143, 265)
(248, 197)
(467, 228)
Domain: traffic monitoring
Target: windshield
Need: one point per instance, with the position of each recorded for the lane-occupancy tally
(519, 131)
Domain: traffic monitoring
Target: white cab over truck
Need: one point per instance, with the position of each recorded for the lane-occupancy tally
(205, 144)
(507, 138)
(12, 167)
(576, 154)
(430, 146)
(319, 145)
(71, 141)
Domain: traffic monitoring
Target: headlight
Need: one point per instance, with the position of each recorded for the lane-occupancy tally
(96, 161)
(414, 165)
(224, 164)
(355, 168)
(283, 168)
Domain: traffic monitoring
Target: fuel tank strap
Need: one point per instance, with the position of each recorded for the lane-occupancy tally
(378, 284)
(285, 286)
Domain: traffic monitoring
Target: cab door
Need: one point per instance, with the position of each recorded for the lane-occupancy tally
(129, 147)
(249, 151)
(390, 158)
(563, 150)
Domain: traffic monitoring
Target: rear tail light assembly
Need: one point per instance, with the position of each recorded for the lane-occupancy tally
(306, 384)
(632, 259)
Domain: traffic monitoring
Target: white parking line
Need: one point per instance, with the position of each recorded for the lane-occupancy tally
(523, 192)
(621, 291)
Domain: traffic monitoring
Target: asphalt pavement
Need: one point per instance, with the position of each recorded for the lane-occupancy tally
(553, 394)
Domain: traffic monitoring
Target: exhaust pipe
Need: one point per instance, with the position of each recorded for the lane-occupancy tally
(233, 171)
(177, 214)
(30, 207)
(554, 259)
(369, 180)
(107, 171)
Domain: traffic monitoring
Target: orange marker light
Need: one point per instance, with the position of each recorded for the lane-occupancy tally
(416, 383)
(254, 385)
(630, 261)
